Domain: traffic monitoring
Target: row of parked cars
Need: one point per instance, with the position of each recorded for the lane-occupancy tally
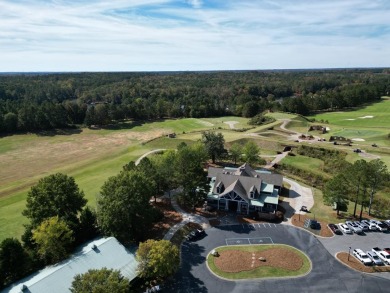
(357, 227)
(376, 256)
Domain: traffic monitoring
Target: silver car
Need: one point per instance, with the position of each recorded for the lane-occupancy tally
(375, 258)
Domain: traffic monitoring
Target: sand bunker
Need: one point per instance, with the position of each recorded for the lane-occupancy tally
(231, 123)
(366, 117)
(351, 119)
(358, 139)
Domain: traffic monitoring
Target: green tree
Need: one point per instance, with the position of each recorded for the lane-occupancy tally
(191, 175)
(335, 192)
(55, 195)
(214, 144)
(235, 152)
(377, 174)
(88, 228)
(14, 261)
(54, 240)
(10, 122)
(123, 205)
(355, 175)
(100, 281)
(157, 259)
(251, 152)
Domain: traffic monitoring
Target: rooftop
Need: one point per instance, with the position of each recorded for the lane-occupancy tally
(104, 252)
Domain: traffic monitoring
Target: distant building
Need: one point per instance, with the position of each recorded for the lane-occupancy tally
(244, 189)
(105, 252)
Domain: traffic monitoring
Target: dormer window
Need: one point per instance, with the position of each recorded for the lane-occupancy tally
(252, 192)
(220, 187)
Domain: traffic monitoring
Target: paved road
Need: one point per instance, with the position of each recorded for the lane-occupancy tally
(327, 275)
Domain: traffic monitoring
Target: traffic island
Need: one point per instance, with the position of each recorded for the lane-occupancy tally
(352, 262)
(240, 262)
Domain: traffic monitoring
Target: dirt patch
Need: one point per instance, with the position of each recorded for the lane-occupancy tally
(234, 261)
(368, 156)
(354, 263)
(299, 221)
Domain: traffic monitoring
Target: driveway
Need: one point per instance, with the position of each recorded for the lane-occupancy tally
(327, 275)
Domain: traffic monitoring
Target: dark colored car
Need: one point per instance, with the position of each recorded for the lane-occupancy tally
(334, 229)
(387, 249)
(195, 234)
(315, 225)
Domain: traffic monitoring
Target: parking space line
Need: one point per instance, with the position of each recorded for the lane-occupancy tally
(264, 226)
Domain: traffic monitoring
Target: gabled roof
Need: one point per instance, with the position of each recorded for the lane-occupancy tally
(105, 252)
(245, 171)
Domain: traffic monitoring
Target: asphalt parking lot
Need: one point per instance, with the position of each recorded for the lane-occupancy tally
(327, 275)
(365, 242)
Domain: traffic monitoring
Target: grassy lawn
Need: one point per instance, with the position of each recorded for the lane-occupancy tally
(262, 271)
(281, 115)
(306, 163)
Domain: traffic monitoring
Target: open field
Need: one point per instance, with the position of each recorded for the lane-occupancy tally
(93, 155)
(89, 155)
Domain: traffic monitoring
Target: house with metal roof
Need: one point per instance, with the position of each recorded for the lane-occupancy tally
(104, 252)
(244, 189)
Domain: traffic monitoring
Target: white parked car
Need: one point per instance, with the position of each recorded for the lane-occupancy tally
(362, 256)
(384, 256)
(343, 227)
(381, 226)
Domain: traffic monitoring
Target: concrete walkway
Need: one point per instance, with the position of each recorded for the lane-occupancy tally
(187, 218)
(277, 159)
(298, 196)
(147, 154)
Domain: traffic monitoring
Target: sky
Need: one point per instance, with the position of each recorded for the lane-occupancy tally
(187, 35)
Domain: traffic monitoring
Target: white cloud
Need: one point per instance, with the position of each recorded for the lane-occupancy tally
(195, 3)
(141, 35)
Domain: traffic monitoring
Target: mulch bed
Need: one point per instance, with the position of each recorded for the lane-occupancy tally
(299, 221)
(171, 218)
(234, 261)
(357, 265)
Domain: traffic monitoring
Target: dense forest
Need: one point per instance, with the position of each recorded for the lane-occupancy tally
(31, 102)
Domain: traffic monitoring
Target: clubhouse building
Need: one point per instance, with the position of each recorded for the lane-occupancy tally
(244, 189)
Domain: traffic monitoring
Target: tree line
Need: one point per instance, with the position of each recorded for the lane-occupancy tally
(47, 101)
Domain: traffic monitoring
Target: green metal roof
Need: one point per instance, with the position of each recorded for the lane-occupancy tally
(265, 187)
(257, 203)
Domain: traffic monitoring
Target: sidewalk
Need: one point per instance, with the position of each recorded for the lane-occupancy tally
(187, 218)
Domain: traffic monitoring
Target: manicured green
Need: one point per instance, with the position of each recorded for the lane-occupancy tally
(260, 272)
(380, 112)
